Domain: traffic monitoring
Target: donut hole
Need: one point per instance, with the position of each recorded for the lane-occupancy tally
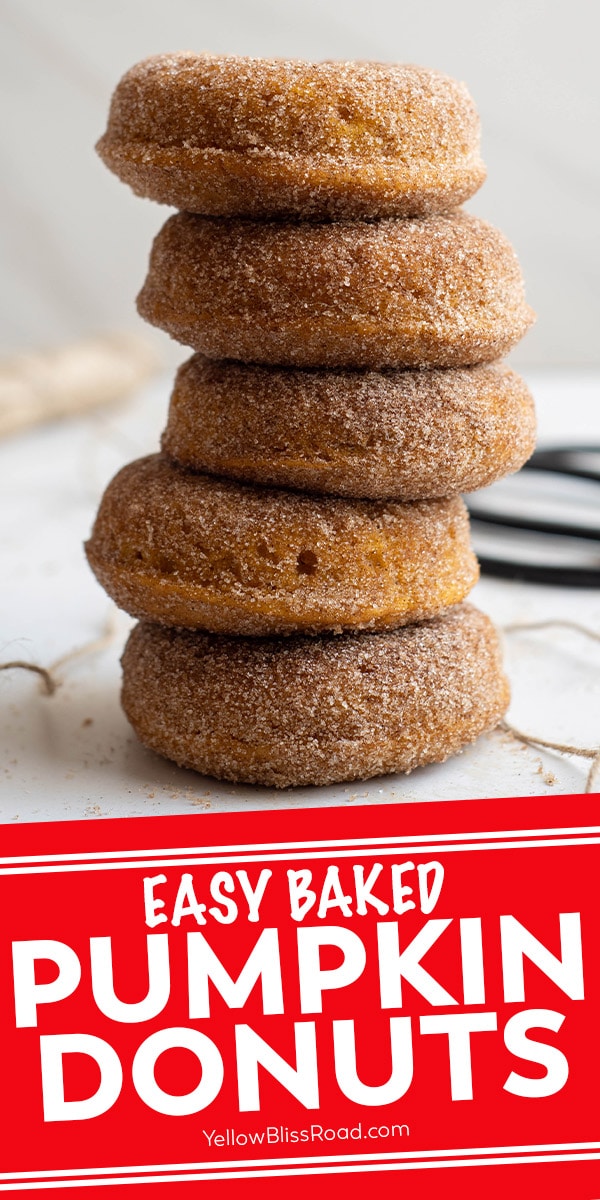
(377, 559)
(306, 563)
(230, 564)
(267, 552)
(166, 565)
(133, 556)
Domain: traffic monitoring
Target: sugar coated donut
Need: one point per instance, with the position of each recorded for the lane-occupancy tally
(229, 136)
(407, 435)
(300, 710)
(191, 550)
(441, 292)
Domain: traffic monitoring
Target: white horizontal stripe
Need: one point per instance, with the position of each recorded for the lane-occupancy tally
(310, 1160)
(283, 1172)
(299, 846)
(433, 848)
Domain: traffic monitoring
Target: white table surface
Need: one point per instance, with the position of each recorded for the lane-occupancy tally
(73, 755)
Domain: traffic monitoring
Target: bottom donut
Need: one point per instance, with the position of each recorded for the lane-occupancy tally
(315, 710)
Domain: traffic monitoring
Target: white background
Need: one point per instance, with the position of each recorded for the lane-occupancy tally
(74, 241)
(74, 244)
(74, 755)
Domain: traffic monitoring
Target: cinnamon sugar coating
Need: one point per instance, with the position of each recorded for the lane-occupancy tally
(230, 136)
(297, 711)
(191, 550)
(406, 435)
(445, 291)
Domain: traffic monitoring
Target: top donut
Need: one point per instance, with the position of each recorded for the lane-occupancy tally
(252, 137)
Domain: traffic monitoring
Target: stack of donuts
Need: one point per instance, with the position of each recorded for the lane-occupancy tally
(298, 554)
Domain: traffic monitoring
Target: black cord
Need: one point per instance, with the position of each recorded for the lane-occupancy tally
(581, 577)
(559, 461)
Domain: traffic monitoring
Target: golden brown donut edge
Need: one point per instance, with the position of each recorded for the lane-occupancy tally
(304, 711)
(234, 136)
(191, 550)
(406, 435)
(441, 292)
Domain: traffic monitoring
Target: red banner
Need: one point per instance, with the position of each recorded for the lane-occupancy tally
(399, 995)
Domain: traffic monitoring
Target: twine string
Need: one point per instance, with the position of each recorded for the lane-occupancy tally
(48, 680)
(105, 638)
(51, 676)
(553, 623)
(529, 739)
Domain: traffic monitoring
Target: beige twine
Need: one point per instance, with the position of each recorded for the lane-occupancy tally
(50, 676)
(51, 681)
(50, 684)
(561, 747)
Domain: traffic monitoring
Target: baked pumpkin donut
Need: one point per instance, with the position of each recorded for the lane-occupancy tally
(300, 710)
(191, 550)
(407, 435)
(229, 136)
(441, 292)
